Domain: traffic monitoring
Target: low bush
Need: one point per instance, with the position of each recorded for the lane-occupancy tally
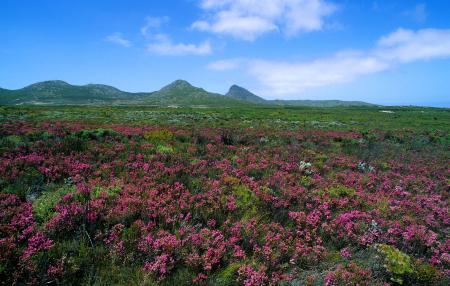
(397, 264)
(158, 135)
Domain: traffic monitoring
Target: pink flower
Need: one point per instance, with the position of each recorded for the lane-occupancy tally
(36, 243)
(345, 253)
(161, 266)
(238, 252)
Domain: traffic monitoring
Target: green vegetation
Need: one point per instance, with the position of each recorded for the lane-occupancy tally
(158, 135)
(424, 125)
(397, 263)
(246, 201)
(164, 149)
(241, 93)
(227, 277)
(180, 93)
(44, 206)
(255, 195)
(340, 192)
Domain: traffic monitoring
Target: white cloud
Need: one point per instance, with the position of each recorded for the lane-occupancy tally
(117, 38)
(289, 78)
(224, 65)
(407, 45)
(163, 45)
(401, 46)
(246, 28)
(153, 23)
(249, 19)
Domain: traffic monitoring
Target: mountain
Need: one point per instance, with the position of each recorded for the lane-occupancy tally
(58, 92)
(182, 93)
(243, 94)
(179, 93)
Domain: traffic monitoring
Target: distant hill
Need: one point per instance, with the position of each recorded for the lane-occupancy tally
(58, 92)
(320, 103)
(182, 93)
(179, 93)
(243, 94)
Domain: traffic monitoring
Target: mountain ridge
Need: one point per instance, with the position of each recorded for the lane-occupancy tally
(240, 93)
(178, 93)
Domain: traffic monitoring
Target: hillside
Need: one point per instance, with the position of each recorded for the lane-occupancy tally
(179, 93)
(243, 94)
(61, 93)
(320, 103)
(182, 93)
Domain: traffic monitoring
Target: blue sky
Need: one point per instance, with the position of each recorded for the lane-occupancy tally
(386, 52)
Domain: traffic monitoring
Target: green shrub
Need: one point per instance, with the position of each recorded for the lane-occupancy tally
(246, 201)
(305, 181)
(110, 192)
(333, 257)
(397, 263)
(44, 205)
(384, 166)
(180, 276)
(27, 185)
(164, 149)
(158, 135)
(340, 192)
(227, 276)
(426, 274)
(13, 141)
(319, 160)
(96, 134)
(72, 143)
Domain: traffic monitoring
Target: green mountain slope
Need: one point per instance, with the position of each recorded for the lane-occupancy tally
(179, 93)
(61, 93)
(182, 93)
(243, 94)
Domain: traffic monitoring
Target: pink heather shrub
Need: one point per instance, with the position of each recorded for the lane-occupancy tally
(350, 274)
(248, 206)
(36, 243)
(345, 253)
(20, 240)
(248, 276)
(161, 266)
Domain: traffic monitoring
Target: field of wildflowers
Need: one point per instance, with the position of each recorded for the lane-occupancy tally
(216, 200)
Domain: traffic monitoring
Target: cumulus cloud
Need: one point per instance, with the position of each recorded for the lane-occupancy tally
(407, 45)
(401, 46)
(163, 45)
(118, 39)
(249, 19)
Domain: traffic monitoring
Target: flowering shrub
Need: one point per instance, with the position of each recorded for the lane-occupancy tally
(350, 274)
(248, 276)
(137, 204)
(20, 241)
